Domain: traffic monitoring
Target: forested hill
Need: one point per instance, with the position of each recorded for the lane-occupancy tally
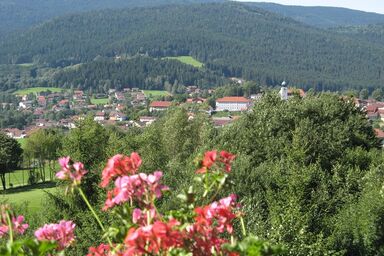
(141, 72)
(21, 14)
(372, 33)
(230, 38)
(324, 17)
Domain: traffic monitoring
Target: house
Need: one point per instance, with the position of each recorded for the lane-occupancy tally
(159, 105)
(15, 133)
(256, 97)
(147, 120)
(78, 95)
(25, 104)
(373, 112)
(293, 91)
(380, 135)
(99, 116)
(197, 100)
(140, 96)
(116, 116)
(219, 122)
(119, 96)
(233, 104)
(42, 101)
(63, 103)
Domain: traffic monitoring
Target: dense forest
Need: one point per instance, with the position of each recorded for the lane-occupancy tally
(321, 16)
(223, 36)
(18, 15)
(140, 72)
(371, 33)
(105, 73)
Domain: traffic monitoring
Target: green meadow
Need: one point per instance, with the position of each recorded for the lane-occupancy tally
(187, 60)
(103, 101)
(33, 196)
(154, 93)
(37, 90)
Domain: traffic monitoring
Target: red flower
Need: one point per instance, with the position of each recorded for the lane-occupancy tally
(227, 158)
(101, 250)
(120, 165)
(210, 222)
(153, 239)
(208, 161)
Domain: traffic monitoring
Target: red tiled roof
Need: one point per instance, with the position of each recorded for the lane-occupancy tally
(379, 133)
(300, 91)
(160, 104)
(372, 108)
(233, 100)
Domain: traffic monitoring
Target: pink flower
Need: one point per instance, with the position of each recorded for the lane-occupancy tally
(16, 222)
(211, 222)
(71, 172)
(120, 165)
(18, 226)
(141, 187)
(62, 233)
(153, 239)
(140, 217)
(101, 250)
(3, 230)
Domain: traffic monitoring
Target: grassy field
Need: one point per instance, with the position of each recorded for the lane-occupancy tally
(154, 93)
(100, 101)
(188, 60)
(31, 195)
(37, 90)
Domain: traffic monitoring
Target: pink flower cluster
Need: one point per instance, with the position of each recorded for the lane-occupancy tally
(120, 165)
(62, 233)
(17, 224)
(210, 222)
(141, 188)
(211, 158)
(69, 171)
(154, 238)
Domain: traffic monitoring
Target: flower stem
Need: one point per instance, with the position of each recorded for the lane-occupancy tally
(94, 213)
(10, 228)
(243, 226)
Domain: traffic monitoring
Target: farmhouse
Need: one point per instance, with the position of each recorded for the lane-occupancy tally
(99, 116)
(233, 104)
(159, 105)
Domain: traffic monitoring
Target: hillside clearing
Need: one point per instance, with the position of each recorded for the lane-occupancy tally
(187, 60)
(154, 93)
(37, 90)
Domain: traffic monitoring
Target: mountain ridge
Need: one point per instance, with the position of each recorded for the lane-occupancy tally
(322, 16)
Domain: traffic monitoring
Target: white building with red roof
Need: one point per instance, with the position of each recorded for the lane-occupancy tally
(159, 105)
(233, 104)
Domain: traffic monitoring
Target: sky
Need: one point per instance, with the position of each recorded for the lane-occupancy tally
(364, 5)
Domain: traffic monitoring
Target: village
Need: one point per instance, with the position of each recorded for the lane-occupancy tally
(111, 109)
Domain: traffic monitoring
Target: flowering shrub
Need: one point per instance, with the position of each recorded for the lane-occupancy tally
(194, 229)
